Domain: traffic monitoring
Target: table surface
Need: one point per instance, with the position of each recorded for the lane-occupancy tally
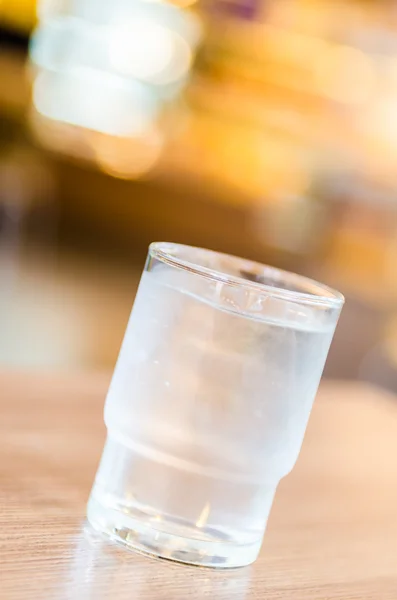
(332, 532)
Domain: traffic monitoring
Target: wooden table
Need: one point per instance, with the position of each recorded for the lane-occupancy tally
(332, 533)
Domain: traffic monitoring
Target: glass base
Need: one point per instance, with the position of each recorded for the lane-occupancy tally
(170, 542)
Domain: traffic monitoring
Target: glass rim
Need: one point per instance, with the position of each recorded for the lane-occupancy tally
(326, 295)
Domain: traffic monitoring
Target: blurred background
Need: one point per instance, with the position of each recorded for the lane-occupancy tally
(262, 128)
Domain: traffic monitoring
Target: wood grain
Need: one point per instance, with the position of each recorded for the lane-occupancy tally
(332, 533)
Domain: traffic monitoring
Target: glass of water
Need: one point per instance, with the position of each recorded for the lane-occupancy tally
(208, 404)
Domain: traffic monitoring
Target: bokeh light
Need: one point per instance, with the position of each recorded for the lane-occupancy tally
(113, 69)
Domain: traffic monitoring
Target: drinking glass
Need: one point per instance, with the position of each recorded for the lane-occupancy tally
(208, 404)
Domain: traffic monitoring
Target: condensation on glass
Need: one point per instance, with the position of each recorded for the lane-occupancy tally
(208, 404)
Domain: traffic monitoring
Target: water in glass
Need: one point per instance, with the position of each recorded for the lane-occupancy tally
(205, 414)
